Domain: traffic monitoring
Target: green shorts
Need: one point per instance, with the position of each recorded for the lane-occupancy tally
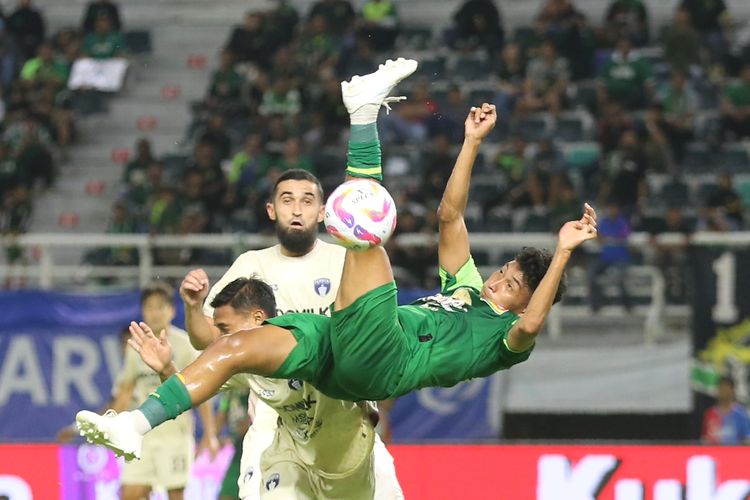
(359, 353)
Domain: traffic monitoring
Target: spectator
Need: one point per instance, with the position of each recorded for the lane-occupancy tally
(291, 157)
(682, 43)
(281, 24)
(15, 217)
(531, 193)
(547, 78)
(555, 18)
(135, 170)
(10, 58)
(225, 87)
(735, 106)
(206, 162)
(101, 8)
(563, 200)
(511, 73)
(672, 257)
(511, 160)
(360, 61)
(451, 115)
(10, 176)
(26, 24)
(281, 99)
(249, 41)
(45, 69)
(215, 134)
(339, 16)
(103, 42)
(121, 222)
(247, 169)
(142, 191)
(624, 174)
(316, 46)
(437, 165)
(711, 19)
(626, 77)
(547, 157)
(626, 18)
(727, 422)
(726, 199)
(408, 123)
(380, 23)
(655, 137)
(613, 230)
(680, 103)
(478, 25)
(612, 124)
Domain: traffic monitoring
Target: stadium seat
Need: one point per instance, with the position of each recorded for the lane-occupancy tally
(584, 95)
(743, 189)
(580, 155)
(705, 191)
(525, 36)
(498, 221)
(735, 159)
(534, 128)
(536, 222)
(698, 159)
(480, 95)
(415, 37)
(674, 193)
(470, 68)
(574, 126)
(138, 41)
(432, 69)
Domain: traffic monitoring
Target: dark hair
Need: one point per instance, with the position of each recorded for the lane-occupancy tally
(297, 174)
(244, 294)
(160, 288)
(534, 263)
(726, 379)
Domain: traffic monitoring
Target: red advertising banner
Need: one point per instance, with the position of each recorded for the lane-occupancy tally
(441, 472)
(573, 472)
(29, 471)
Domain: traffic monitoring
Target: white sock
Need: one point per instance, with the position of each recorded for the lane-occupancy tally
(365, 114)
(140, 422)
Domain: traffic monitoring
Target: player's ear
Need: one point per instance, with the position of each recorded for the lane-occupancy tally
(271, 211)
(258, 317)
(321, 213)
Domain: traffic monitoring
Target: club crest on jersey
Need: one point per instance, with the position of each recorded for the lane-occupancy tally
(295, 384)
(322, 286)
(249, 474)
(273, 482)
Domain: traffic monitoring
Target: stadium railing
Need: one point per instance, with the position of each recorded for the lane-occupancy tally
(645, 282)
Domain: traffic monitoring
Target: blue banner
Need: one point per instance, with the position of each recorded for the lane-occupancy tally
(465, 412)
(60, 352)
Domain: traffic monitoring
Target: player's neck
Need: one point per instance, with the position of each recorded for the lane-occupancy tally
(288, 253)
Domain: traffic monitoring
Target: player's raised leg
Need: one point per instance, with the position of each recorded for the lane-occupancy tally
(363, 96)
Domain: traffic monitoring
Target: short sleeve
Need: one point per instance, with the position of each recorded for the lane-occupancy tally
(466, 277)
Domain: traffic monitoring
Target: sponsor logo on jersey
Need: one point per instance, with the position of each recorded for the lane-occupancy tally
(322, 286)
(273, 481)
(295, 384)
(266, 393)
(248, 474)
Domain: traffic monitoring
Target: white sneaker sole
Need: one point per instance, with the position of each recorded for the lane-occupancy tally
(89, 429)
(366, 89)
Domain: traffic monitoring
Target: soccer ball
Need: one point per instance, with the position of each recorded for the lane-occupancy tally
(360, 214)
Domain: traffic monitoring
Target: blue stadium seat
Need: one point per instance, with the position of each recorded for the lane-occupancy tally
(433, 69)
(470, 68)
(415, 37)
(674, 193)
(735, 160)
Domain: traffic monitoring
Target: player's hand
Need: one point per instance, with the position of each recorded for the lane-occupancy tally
(194, 288)
(575, 232)
(155, 351)
(480, 121)
(66, 434)
(210, 443)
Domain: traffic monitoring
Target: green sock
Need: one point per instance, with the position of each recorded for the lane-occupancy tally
(363, 155)
(168, 401)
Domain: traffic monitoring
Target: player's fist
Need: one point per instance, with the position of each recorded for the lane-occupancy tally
(575, 232)
(480, 122)
(194, 288)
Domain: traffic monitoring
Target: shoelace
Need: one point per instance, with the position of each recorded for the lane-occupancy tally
(110, 413)
(394, 99)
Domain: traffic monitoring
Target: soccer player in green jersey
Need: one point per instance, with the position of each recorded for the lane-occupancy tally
(370, 349)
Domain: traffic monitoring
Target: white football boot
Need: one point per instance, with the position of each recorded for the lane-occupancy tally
(363, 95)
(115, 431)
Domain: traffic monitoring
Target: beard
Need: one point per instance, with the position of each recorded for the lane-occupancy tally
(297, 242)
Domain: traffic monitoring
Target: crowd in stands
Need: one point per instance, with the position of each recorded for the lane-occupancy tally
(36, 108)
(646, 123)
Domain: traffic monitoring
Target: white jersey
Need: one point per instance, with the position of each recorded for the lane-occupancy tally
(331, 436)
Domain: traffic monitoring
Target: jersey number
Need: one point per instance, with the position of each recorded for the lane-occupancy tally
(725, 309)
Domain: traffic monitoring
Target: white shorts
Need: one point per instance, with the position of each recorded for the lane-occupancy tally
(386, 482)
(254, 444)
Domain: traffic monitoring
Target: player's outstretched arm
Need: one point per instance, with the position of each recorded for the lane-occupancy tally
(523, 334)
(453, 247)
(193, 291)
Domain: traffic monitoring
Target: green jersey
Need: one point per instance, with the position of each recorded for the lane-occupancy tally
(374, 350)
